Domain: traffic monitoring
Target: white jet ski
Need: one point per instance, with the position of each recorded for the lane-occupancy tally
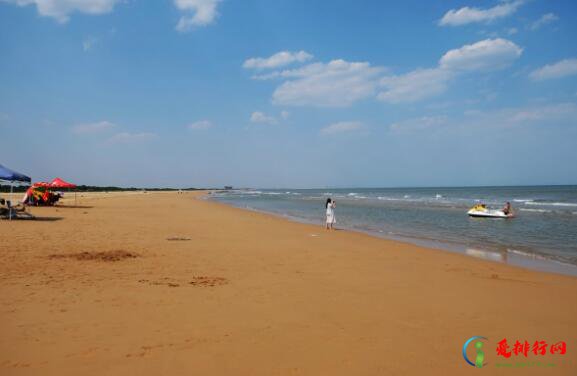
(482, 211)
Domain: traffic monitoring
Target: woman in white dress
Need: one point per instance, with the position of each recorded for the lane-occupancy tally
(330, 206)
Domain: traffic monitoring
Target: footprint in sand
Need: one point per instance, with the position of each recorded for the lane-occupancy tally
(196, 281)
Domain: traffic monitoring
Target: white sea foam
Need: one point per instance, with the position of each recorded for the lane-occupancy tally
(522, 200)
(526, 254)
(251, 192)
(483, 254)
(404, 199)
(383, 198)
(551, 204)
(540, 257)
(537, 210)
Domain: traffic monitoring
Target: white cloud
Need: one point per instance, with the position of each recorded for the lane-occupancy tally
(552, 112)
(544, 115)
(488, 54)
(419, 124)
(560, 69)
(342, 127)
(127, 137)
(544, 20)
(277, 60)
(62, 9)
(512, 31)
(262, 118)
(88, 43)
(198, 13)
(284, 115)
(87, 128)
(415, 85)
(338, 83)
(466, 15)
(200, 125)
(547, 115)
(266, 76)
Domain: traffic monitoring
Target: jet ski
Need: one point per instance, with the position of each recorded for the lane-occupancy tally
(482, 211)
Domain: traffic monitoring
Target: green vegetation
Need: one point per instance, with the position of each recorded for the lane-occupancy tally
(92, 188)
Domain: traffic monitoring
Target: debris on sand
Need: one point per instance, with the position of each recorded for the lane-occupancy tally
(177, 238)
(107, 256)
(208, 281)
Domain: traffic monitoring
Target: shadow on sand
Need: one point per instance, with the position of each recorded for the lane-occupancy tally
(73, 207)
(46, 219)
(36, 219)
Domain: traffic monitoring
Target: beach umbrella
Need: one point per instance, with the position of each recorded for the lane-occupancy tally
(12, 177)
(46, 188)
(59, 183)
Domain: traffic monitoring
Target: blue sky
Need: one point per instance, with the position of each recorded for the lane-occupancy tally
(289, 93)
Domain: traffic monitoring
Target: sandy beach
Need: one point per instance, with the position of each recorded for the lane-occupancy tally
(171, 284)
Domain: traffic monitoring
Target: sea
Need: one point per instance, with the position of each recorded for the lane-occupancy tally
(543, 234)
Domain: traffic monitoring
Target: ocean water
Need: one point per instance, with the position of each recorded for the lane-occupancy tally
(545, 226)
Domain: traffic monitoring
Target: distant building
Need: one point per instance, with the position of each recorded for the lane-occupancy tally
(228, 187)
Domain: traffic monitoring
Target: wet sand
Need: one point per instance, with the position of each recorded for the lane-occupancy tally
(169, 284)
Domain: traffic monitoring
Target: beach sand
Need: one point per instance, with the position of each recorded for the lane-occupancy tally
(170, 284)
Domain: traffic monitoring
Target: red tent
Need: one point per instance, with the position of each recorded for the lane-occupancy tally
(59, 183)
(41, 184)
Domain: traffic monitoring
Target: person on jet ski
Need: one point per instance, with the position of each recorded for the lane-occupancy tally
(507, 208)
(480, 207)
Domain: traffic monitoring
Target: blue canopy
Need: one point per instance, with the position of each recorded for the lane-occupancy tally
(12, 176)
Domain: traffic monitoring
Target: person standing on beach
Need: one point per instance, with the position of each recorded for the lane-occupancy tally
(330, 206)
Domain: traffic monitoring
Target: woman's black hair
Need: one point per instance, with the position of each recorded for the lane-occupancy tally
(328, 202)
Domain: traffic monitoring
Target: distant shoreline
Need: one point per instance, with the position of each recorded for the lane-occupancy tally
(525, 261)
(441, 220)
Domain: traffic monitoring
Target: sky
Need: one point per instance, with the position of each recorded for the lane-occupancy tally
(289, 93)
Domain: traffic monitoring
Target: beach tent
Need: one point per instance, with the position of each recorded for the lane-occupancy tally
(38, 190)
(59, 183)
(12, 177)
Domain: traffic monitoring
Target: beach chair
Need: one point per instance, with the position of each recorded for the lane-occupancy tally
(7, 211)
